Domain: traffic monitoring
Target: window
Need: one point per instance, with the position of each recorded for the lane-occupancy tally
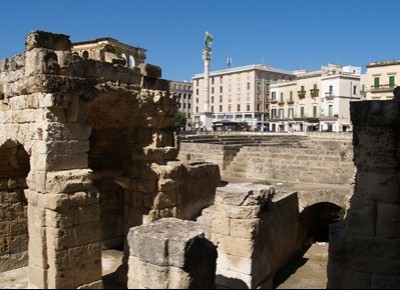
(184, 105)
(212, 109)
(273, 96)
(281, 113)
(220, 108)
(85, 54)
(197, 100)
(184, 96)
(273, 113)
(220, 79)
(229, 108)
(248, 107)
(197, 109)
(220, 89)
(330, 90)
(302, 112)
(330, 110)
(314, 111)
(315, 87)
(290, 113)
(238, 107)
(188, 106)
(212, 81)
(363, 88)
(281, 98)
(197, 92)
(291, 96)
(212, 90)
(354, 90)
(258, 107)
(302, 88)
(220, 99)
(248, 86)
(391, 81)
(212, 99)
(376, 82)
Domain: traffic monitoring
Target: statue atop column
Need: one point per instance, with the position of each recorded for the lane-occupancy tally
(208, 38)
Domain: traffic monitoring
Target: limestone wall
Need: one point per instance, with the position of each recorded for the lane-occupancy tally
(256, 231)
(218, 154)
(102, 154)
(364, 250)
(170, 254)
(321, 162)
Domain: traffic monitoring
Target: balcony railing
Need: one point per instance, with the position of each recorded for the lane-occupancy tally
(301, 94)
(314, 93)
(290, 101)
(281, 103)
(329, 95)
(383, 88)
(273, 101)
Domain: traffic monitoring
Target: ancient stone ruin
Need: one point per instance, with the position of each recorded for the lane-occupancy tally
(364, 250)
(87, 152)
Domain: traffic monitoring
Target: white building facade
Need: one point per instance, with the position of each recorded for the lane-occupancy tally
(238, 94)
(315, 101)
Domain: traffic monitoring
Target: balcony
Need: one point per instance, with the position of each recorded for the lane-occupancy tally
(281, 103)
(382, 88)
(329, 95)
(301, 94)
(314, 93)
(290, 101)
(273, 101)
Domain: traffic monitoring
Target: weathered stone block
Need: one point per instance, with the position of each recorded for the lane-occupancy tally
(41, 61)
(360, 219)
(388, 220)
(244, 228)
(221, 226)
(42, 39)
(237, 246)
(68, 180)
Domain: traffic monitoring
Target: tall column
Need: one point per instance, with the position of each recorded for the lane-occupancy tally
(206, 58)
(206, 115)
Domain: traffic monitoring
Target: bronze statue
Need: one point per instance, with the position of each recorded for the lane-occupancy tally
(208, 41)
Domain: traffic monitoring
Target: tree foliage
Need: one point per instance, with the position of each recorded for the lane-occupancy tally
(180, 121)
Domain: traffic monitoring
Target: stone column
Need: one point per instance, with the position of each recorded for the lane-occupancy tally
(364, 250)
(170, 254)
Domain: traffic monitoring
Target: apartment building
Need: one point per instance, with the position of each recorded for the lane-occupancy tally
(183, 91)
(315, 101)
(239, 94)
(382, 78)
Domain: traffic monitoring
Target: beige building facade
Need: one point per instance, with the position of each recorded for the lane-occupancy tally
(108, 49)
(183, 91)
(238, 94)
(382, 78)
(315, 101)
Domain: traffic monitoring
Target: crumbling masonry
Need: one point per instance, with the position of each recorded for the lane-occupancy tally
(87, 151)
(364, 251)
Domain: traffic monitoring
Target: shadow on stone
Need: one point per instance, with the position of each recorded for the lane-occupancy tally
(233, 283)
(289, 270)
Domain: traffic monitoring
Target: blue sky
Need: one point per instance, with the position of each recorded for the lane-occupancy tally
(291, 34)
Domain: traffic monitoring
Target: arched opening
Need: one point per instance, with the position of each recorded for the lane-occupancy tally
(14, 168)
(315, 220)
(131, 61)
(85, 54)
(108, 159)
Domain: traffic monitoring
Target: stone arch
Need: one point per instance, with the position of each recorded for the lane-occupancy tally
(309, 198)
(85, 54)
(131, 61)
(315, 219)
(14, 168)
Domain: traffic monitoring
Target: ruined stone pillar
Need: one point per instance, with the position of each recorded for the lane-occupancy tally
(364, 249)
(170, 254)
(236, 225)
